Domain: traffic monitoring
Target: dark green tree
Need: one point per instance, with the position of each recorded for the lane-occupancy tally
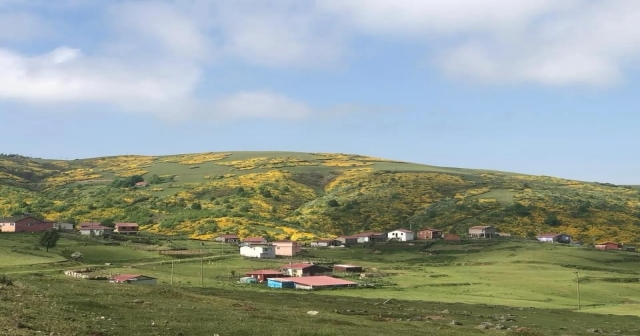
(552, 219)
(196, 206)
(49, 239)
(333, 203)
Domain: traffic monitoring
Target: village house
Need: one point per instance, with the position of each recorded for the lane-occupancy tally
(401, 235)
(369, 237)
(425, 234)
(486, 231)
(452, 237)
(347, 268)
(347, 240)
(134, 279)
(94, 229)
(258, 251)
(228, 238)
(630, 249)
(287, 248)
(303, 269)
(325, 243)
(24, 224)
(126, 228)
(254, 240)
(554, 238)
(64, 226)
(310, 282)
(265, 274)
(608, 246)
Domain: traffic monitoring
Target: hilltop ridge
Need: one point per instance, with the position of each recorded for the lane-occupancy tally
(310, 195)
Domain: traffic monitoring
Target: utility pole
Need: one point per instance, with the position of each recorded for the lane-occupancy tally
(172, 272)
(578, 287)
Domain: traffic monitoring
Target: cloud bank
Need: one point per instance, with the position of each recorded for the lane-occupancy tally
(152, 56)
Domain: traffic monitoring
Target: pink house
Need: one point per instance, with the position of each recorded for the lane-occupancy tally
(287, 248)
(24, 224)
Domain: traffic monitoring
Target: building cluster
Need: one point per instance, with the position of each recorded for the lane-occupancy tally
(306, 276)
(28, 223)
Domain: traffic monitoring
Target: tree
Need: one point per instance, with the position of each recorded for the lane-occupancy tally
(333, 203)
(552, 219)
(49, 239)
(196, 206)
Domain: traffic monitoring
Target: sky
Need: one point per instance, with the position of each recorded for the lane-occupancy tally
(544, 87)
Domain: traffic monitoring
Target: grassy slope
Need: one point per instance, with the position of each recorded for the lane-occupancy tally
(371, 194)
(475, 281)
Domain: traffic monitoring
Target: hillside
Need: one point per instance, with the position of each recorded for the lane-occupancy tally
(307, 195)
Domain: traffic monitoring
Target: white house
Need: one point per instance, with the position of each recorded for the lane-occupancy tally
(401, 235)
(95, 230)
(554, 238)
(258, 251)
(63, 226)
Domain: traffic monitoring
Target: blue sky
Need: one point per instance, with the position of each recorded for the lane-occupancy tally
(533, 86)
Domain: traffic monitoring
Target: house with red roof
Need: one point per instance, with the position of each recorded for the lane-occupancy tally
(254, 240)
(425, 234)
(310, 282)
(303, 269)
(554, 238)
(265, 274)
(134, 278)
(401, 235)
(126, 228)
(24, 223)
(608, 246)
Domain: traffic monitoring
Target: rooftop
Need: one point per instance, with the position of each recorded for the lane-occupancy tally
(264, 272)
(481, 227)
(432, 230)
(228, 236)
(319, 280)
(126, 224)
(126, 277)
(250, 239)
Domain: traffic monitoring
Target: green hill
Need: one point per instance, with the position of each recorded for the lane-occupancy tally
(309, 195)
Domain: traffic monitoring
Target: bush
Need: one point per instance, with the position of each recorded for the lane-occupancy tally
(5, 280)
(333, 203)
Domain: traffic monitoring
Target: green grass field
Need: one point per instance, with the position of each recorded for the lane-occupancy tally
(475, 281)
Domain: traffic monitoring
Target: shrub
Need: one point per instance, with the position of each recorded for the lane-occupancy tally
(5, 280)
(333, 203)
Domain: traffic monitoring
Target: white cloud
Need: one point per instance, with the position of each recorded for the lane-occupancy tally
(279, 33)
(260, 104)
(550, 42)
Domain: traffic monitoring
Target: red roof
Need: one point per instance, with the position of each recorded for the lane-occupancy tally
(228, 236)
(264, 272)
(125, 277)
(319, 280)
(254, 239)
(284, 241)
(298, 266)
(126, 224)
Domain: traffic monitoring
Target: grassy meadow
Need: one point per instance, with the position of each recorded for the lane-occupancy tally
(528, 287)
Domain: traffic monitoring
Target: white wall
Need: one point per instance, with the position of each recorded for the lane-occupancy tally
(258, 251)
